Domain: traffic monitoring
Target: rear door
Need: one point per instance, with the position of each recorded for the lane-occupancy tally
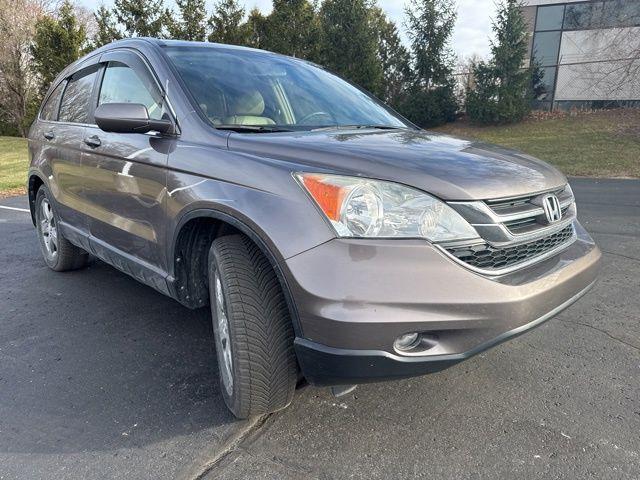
(63, 133)
(125, 185)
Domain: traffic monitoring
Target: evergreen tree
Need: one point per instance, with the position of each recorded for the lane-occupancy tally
(226, 23)
(141, 18)
(292, 29)
(503, 86)
(256, 29)
(192, 22)
(57, 42)
(431, 98)
(430, 26)
(394, 58)
(106, 28)
(349, 42)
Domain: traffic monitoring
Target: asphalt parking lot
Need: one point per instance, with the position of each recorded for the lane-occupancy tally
(101, 377)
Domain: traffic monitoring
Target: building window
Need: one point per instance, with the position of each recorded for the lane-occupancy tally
(544, 90)
(550, 18)
(621, 13)
(581, 16)
(545, 47)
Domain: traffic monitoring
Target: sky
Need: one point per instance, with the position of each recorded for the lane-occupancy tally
(471, 35)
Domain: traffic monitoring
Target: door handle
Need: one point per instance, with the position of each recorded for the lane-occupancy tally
(93, 141)
(49, 135)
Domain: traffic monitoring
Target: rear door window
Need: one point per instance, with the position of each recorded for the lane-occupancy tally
(50, 108)
(76, 100)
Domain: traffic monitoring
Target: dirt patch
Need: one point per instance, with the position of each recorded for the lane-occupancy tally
(13, 192)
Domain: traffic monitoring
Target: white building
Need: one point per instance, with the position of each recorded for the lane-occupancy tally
(589, 51)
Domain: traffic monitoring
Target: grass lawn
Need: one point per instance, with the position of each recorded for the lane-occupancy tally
(598, 144)
(13, 165)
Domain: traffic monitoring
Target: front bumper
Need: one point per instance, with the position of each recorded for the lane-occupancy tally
(355, 297)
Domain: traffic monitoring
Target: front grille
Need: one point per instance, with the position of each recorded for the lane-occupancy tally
(486, 257)
(514, 205)
(529, 224)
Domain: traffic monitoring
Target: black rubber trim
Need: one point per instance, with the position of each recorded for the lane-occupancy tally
(326, 366)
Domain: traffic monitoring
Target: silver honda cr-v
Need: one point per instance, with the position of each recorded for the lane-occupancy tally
(332, 239)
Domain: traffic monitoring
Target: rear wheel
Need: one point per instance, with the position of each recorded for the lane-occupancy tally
(252, 328)
(58, 252)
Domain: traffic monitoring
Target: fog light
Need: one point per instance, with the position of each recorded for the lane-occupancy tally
(406, 342)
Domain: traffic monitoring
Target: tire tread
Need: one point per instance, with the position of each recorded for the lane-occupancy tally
(260, 325)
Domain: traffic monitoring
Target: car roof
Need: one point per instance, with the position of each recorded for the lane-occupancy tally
(161, 42)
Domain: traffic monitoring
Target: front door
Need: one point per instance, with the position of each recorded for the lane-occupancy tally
(125, 187)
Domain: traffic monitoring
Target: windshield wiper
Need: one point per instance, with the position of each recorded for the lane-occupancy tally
(252, 128)
(359, 127)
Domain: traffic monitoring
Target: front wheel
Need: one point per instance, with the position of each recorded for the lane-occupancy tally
(58, 252)
(252, 328)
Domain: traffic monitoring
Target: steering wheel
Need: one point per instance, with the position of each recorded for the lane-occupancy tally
(306, 118)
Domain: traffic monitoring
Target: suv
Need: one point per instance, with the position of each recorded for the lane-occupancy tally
(333, 240)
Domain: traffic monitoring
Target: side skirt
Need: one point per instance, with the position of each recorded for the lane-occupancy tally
(132, 266)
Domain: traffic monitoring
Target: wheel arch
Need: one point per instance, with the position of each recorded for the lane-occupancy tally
(34, 183)
(192, 239)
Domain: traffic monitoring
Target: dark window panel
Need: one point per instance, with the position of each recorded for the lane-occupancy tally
(544, 90)
(595, 104)
(537, 105)
(50, 109)
(121, 84)
(621, 13)
(550, 18)
(581, 16)
(545, 47)
(76, 100)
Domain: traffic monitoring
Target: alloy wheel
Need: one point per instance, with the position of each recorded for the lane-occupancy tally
(48, 229)
(223, 338)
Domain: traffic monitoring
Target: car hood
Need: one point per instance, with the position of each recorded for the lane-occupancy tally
(445, 166)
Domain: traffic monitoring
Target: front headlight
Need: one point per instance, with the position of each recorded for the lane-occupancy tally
(360, 207)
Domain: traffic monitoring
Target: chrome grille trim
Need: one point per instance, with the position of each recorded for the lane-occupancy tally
(485, 212)
(505, 225)
(527, 217)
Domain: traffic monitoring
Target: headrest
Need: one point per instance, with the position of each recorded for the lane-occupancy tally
(249, 103)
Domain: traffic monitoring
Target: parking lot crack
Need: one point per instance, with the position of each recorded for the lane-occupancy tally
(615, 254)
(628, 344)
(232, 444)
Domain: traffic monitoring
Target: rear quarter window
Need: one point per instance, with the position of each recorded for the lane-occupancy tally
(50, 108)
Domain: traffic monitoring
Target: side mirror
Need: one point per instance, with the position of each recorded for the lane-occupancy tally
(129, 118)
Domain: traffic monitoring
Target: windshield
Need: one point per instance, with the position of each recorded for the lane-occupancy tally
(252, 89)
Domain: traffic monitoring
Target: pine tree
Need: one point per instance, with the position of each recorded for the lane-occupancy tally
(292, 29)
(349, 42)
(430, 26)
(145, 18)
(192, 22)
(107, 30)
(394, 58)
(58, 41)
(431, 98)
(226, 23)
(503, 86)
(256, 29)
